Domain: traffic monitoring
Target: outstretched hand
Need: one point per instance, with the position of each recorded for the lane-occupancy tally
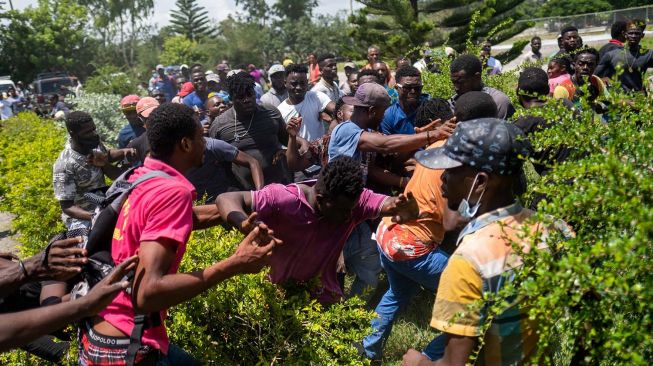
(106, 290)
(64, 260)
(254, 251)
(249, 223)
(443, 132)
(405, 208)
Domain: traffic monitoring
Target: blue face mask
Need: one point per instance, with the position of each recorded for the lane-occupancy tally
(464, 209)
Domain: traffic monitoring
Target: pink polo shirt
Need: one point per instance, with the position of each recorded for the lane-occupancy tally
(311, 245)
(159, 208)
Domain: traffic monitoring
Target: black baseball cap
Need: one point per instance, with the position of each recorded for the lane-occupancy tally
(488, 144)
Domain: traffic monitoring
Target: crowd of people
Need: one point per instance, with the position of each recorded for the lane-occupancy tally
(324, 178)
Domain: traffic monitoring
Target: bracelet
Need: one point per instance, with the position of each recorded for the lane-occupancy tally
(23, 270)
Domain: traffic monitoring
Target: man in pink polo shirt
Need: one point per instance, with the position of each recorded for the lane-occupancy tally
(155, 222)
(314, 219)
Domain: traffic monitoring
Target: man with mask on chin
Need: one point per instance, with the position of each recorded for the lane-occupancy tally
(482, 162)
(80, 169)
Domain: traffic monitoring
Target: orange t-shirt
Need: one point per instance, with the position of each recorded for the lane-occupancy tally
(422, 235)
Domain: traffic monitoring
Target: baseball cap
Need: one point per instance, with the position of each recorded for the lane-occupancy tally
(488, 144)
(128, 103)
(350, 65)
(369, 95)
(212, 77)
(186, 89)
(287, 62)
(183, 66)
(275, 69)
(222, 67)
(159, 66)
(145, 106)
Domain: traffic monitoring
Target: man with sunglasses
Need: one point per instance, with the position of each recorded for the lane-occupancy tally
(399, 118)
(632, 59)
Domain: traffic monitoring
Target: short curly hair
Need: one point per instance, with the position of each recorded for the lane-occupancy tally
(469, 63)
(241, 83)
(342, 177)
(167, 125)
(297, 69)
(475, 104)
(407, 71)
(436, 108)
(369, 72)
(76, 120)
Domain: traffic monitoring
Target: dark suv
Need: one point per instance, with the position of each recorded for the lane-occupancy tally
(49, 83)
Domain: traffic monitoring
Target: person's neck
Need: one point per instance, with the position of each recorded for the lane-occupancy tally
(243, 116)
(329, 82)
(408, 107)
(633, 47)
(179, 163)
(359, 119)
(295, 99)
(495, 202)
(309, 193)
(577, 79)
(78, 147)
(280, 90)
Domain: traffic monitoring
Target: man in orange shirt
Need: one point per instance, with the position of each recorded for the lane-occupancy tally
(314, 72)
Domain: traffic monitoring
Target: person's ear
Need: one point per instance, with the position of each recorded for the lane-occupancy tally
(482, 180)
(186, 144)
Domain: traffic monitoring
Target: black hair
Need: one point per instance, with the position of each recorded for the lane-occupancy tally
(195, 66)
(342, 177)
(296, 68)
(436, 108)
(54, 96)
(323, 57)
(469, 63)
(312, 54)
(567, 28)
(533, 83)
(167, 125)
(241, 83)
(618, 29)
(590, 50)
(536, 37)
(475, 104)
(563, 59)
(369, 72)
(339, 103)
(75, 120)
(407, 71)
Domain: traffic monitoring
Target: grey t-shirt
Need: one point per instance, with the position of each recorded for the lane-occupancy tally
(262, 138)
(215, 175)
(634, 67)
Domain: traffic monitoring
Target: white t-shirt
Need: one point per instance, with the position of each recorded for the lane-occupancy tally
(5, 109)
(309, 109)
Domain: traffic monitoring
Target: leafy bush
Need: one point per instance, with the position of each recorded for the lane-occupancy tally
(178, 50)
(28, 148)
(110, 80)
(106, 113)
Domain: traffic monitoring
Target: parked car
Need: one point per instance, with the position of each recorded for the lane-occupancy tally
(6, 83)
(50, 83)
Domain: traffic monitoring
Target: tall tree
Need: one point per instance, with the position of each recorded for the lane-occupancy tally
(256, 11)
(294, 10)
(49, 37)
(191, 20)
(399, 25)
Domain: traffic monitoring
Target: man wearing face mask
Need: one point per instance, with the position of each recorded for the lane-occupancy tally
(482, 161)
(80, 169)
(134, 127)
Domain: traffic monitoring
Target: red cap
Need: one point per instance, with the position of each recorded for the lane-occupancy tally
(145, 106)
(128, 103)
(186, 89)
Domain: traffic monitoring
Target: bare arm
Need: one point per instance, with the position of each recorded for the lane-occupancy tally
(386, 144)
(20, 328)
(296, 161)
(234, 207)
(385, 177)
(74, 211)
(154, 289)
(456, 353)
(206, 216)
(244, 159)
(402, 208)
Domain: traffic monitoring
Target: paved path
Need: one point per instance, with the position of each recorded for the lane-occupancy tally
(8, 242)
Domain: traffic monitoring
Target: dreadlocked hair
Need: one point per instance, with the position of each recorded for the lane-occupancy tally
(342, 177)
(436, 108)
(240, 83)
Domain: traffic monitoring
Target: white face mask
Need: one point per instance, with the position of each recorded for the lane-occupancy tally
(464, 208)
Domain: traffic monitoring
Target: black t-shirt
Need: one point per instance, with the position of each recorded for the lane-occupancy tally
(142, 146)
(607, 48)
(262, 137)
(634, 66)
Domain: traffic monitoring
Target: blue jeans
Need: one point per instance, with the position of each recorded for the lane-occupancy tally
(405, 279)
(177, 357)
(362, 258)
(435, 350)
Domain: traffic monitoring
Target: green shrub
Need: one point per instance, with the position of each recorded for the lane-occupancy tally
(28, 148)
(109, 79)
(106, 113)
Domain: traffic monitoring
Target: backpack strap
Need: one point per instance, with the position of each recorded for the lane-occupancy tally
(141, 322)
(150, 175)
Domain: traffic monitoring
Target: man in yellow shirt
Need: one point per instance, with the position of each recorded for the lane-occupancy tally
(482, 162)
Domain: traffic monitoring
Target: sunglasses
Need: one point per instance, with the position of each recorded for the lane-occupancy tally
(416, 87)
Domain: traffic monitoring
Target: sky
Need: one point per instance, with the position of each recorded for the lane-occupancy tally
(218, 9)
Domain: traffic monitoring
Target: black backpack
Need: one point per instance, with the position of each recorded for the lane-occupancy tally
(98, 244)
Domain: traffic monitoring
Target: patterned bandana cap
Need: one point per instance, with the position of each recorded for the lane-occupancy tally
(488, 144)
